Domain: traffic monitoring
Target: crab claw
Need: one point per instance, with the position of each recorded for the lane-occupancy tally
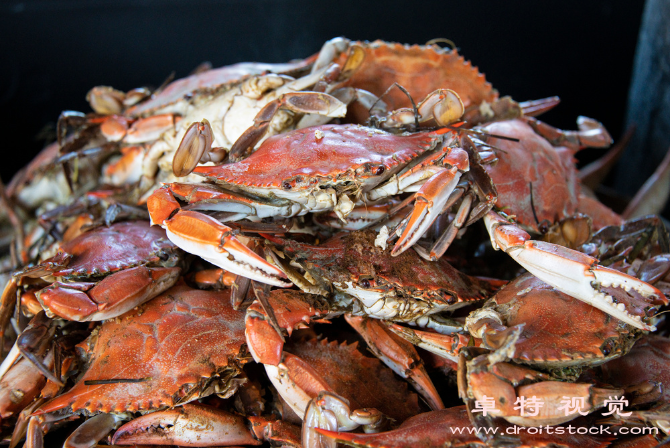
(292, 309)
(207, 238)
(331, 412)
(430, 200)
(192, 425)
(113, 296)
(578, 275)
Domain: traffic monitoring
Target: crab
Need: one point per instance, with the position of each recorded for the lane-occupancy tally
(436, 429)
(167, 352)
(199, 118)
(484, 375)
(559, 332)
(419, 69)
(293, 309)
(403, 288)
(310, 170)
(532, 206)
(88, 284)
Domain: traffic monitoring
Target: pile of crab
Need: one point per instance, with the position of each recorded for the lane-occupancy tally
(368, 247)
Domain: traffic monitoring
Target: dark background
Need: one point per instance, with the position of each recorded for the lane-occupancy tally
(53, 52)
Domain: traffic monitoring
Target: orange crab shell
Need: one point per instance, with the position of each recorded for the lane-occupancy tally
(534, 180)
(558, 327)
(365, 382)
(648, 361)
(173, 345)
(419, 69)
(126, 244)
(301, 159)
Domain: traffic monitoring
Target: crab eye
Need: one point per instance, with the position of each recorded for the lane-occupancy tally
(367, 282)
(286, 186)
(379, 170)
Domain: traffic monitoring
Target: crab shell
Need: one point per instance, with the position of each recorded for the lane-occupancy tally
(412, 286)
(533, 178)
(176, 94)
(126, 244)
(307, 161)
(648, 361)
(419, 69)
(558, 330)
(364, 381)
(176, 348)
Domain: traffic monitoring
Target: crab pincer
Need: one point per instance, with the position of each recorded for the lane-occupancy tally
(208, 238)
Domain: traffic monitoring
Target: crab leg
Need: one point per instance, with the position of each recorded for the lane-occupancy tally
(93, 430)
(444, 345)
(398, 354)
(591, 134)
(447, 237)
(207, 238)
(113, 296)
(189, 425)
(576, 274)
(429, 202)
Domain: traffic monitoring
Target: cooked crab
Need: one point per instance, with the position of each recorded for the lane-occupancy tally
(167, 352)
(138, 263)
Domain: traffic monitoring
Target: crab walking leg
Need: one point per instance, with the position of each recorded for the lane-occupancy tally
(574, 273)
(93, 430)
(398, 354)
(188, 425)
(444, 345)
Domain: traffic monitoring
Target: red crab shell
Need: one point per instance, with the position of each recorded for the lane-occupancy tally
(177, 342)
(421, 70)
(559, 329)
(532, 161)
(301, 159)
(649, 360)
(125, 244)
(365, 382)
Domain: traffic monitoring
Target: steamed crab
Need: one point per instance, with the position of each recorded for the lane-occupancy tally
(214, 110)
(138, 264)
(483, 374)
(318, 169)
(167, 352)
